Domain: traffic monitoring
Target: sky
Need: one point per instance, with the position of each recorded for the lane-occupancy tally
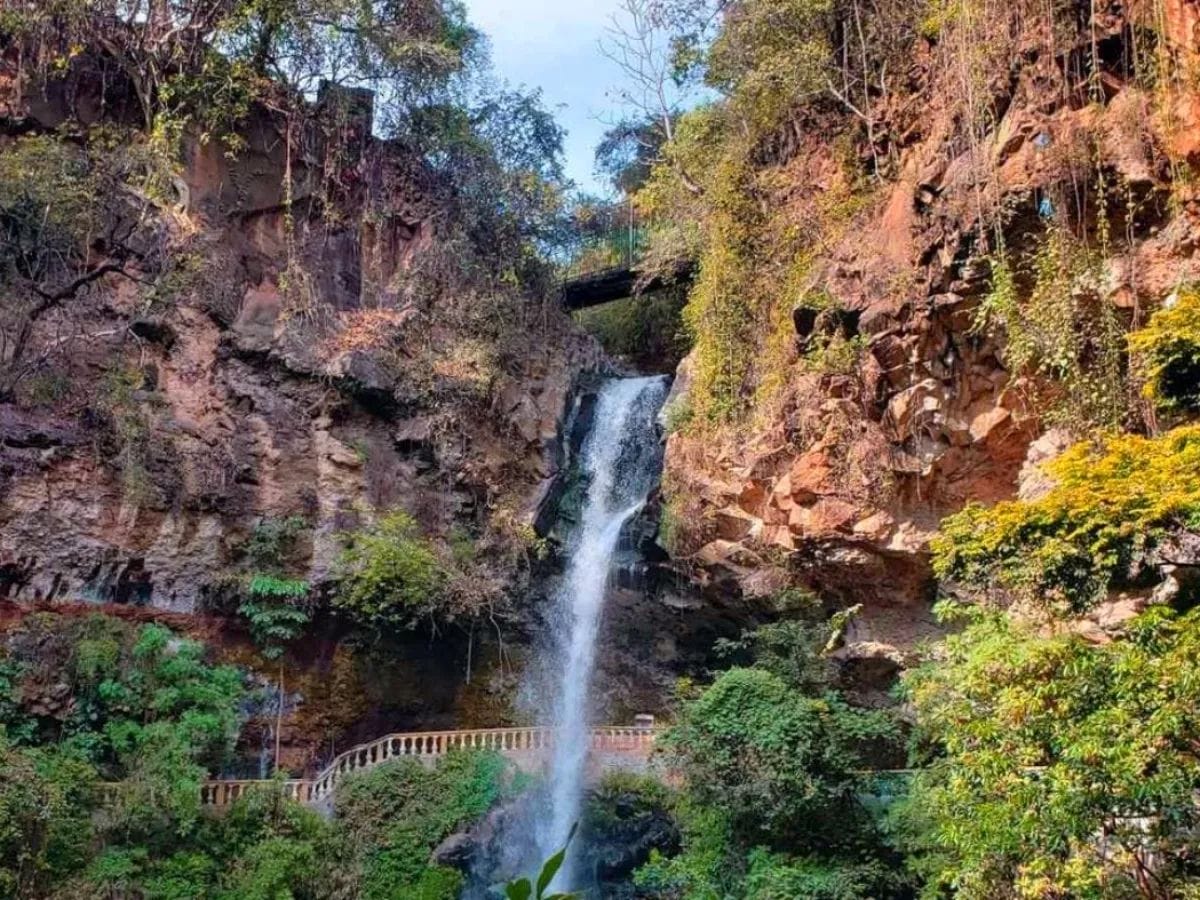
(554, 45)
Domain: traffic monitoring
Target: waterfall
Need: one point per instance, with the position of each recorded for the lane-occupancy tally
(622, 458)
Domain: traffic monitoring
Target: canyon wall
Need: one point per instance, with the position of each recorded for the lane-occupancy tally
(839, 480)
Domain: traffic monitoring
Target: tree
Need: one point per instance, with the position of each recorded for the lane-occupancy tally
(772, 762)
(70, 216)
(642, 40)
(47, 798)
(1057, 767)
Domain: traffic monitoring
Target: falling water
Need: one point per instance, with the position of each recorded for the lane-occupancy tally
(622, 458)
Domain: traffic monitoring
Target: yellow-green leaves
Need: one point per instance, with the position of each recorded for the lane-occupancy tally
(1109, 504)
(1169, 351)
(1060, 767)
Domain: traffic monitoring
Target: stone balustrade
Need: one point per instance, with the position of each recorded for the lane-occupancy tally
(527, 746)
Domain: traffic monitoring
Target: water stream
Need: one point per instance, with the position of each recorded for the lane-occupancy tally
(622, 459)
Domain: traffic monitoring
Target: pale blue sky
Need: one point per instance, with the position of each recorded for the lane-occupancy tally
(554, 45)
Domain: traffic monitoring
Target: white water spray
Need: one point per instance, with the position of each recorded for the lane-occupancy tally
(622, 458)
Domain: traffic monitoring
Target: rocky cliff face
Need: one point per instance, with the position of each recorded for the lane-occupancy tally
(293, 335)
(843, 482)
(307, 363)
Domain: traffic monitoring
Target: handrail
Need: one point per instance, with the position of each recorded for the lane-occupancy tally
(428, 744)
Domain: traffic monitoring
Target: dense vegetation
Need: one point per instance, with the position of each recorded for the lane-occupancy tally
(775, 801)
(100, 785)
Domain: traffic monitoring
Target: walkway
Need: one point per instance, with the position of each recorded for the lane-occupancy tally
(613, 748)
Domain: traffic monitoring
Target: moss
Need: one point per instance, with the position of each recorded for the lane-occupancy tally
(1110, 504)
(1168, 349)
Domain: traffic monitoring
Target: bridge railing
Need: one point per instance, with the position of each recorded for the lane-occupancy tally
(431, 744)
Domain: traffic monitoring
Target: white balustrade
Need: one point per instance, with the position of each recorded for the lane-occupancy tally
(430, 745)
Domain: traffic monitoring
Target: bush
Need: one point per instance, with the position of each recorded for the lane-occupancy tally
(779, 764)
(1110, 504)
(647, 329)
(46, 802)
(1169, 348)
(390, 575)
(391, 818)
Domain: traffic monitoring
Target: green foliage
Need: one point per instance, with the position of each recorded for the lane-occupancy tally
(273, 625)
(773, 799)
(148, 711)
(272, 600)
(1060, 329)
(151, 715)
(273, 542)
(270, 586)
(16, 725)
(771, 55)
(1169, 351)
(720, 312)
(390, 575)
(392, 817)
(273, 869)
(46, 803)
(524, 889)
(646, 329)
(774, 876)
(1110, 504)
(130, 418)
(47, 207)
(779, 763)
(1062, 768)
(622, 796)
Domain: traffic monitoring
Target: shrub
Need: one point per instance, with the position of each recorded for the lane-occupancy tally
(1060, 329)
(391, 818)
(389, 574)
(46, 803)
(646, 329)
(1110, 504)
(778, 763)
(1169, 348)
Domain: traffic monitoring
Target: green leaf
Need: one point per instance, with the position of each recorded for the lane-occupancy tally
(518, 890)
(553, 864)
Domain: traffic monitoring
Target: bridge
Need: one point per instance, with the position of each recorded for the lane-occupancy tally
(605, 266)
(613, 748)
(614, 283)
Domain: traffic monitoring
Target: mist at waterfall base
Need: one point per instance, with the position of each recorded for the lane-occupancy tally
(621, 461)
